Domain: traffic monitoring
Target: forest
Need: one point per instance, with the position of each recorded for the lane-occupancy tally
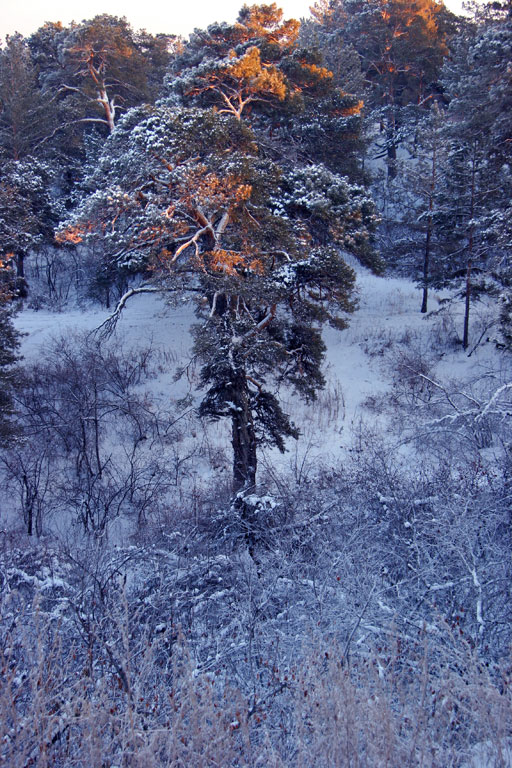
(256, 391)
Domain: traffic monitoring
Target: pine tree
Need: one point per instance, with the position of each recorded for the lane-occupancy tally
(185, 197)
(401, 45)
(236, 68)
(416, 234)
(478, 174)
(25, 117)
(109, 72)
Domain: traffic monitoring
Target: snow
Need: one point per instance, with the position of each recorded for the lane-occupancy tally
(357, 367)
(145, 319)
(485, 756)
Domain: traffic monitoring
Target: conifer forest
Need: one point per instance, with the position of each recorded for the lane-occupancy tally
(256, 391)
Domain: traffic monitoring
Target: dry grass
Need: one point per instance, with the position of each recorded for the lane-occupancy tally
(139, 703)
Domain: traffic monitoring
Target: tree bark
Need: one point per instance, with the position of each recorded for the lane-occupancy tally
(426, 266)
(243, 436)
(21, 283)
(465, 340)
(391, 153)
(428, 238)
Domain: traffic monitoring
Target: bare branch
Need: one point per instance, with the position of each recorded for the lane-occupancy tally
(108, 326)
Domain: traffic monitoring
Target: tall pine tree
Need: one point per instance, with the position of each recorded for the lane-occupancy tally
(186, 198)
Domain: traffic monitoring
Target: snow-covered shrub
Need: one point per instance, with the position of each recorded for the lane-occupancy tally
(93, 443)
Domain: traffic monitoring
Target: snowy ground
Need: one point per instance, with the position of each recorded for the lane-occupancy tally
(359, 366)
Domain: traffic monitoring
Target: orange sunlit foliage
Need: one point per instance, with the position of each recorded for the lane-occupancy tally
(234, 263)
(209, 190)
(256, 77)
(257, 266)
(73, 234)
(6, 261)
(355, 109)
(319, 73)
(266, 23)
(245, 80)
(225, 261)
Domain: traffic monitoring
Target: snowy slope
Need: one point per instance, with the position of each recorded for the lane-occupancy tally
(360, 364)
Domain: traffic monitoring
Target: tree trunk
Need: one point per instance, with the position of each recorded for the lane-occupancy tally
(28, 505)
(20, 265)
(21, 283)
(391, 134)
(243, 436)
(428, 238)
(108, 108)
(426, 266)
(391, 152)
(465, 340)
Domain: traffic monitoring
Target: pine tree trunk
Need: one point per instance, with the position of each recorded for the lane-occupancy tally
(243, 436)
(20, 265)
(391, 135)
(465, 340)
(426, 266)
(391, 152)
(428, 238)
(21, 283)
(108, 108)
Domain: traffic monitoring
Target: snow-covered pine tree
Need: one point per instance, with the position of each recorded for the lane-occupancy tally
(185, 198)
(401, 45)
(28, 213)
(478, 173)
(260, 70)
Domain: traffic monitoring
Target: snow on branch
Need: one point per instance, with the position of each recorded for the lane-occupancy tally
(490, 406)
(107, 327)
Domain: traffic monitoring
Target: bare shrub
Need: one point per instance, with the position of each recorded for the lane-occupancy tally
(93, 443)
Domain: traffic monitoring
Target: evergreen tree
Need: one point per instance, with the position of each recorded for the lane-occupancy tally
(185, 197)
(236, 68)
(478, 173)
(28, 214)
(411, 233)
(401, 45)
(258, 69)
(25, 117)
(91, 73)
(109, 72)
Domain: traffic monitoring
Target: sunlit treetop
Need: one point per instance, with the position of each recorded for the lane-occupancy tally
(401, 43)
(254, 62)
